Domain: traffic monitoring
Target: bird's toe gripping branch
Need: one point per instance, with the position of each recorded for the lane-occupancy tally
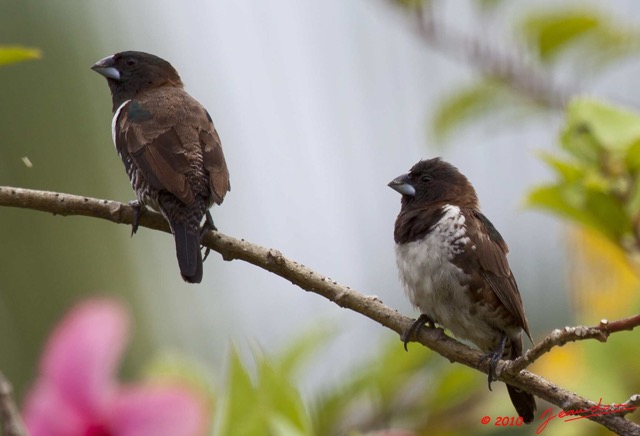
(138, 207)
(208, 225)
(494, 357)
(413, 331)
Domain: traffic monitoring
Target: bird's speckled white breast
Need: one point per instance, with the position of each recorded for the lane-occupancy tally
(433, 283)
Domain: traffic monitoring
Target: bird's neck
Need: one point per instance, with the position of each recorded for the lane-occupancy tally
(122, 91)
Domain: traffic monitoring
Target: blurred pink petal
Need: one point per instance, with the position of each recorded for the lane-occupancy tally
(77, 393)
(46, 413)
(157, 411)
(83, 352)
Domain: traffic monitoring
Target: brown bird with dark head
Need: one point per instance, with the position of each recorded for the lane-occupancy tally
(453, 265)
(170, 149)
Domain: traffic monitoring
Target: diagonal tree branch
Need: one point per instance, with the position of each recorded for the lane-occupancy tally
(272, 260)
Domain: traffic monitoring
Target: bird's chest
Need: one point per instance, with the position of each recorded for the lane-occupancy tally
(432, 281)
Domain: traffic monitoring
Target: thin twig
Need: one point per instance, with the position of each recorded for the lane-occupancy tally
(629, 406)
(12, 424)
(272, 260)
(626, 324)
(560, 337)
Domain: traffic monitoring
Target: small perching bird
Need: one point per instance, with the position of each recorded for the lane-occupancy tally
(169, 146)
(453, 264)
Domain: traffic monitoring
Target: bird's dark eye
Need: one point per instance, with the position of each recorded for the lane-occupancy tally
(426, 179)
(131, 62)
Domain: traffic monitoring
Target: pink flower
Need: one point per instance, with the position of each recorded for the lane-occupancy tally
(77, 394)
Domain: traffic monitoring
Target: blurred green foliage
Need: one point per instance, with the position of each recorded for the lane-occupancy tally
(416, 391)
(598, 180)
(568, 37)
(414, 3)
(594, 35)
(271, 405)
(597, 186)
(480, 101)
(269, 401)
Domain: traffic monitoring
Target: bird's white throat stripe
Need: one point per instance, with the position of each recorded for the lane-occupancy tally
(115, 120)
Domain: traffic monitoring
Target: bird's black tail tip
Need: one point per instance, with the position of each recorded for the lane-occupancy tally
(524, 403)
(188, 253)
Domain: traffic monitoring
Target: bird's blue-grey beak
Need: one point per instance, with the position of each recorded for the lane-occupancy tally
(106, 67)
(403, 185)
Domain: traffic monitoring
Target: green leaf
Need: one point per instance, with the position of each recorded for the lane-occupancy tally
(242, 413)
(282, 427)
(553, 199)
(568, 171)
(302, 348)
(632, 159)
(598, 185)
(13, 54)
(280, 397)
(465, 105)
(611, 127)
(596, 38)
(633, 203)
(608, 214)
(597, 210)
(550, 32)
(272, 402)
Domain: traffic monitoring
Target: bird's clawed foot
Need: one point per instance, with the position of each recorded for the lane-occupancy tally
(494, 357)
(208, 225)
(138, 207)
(412, 331)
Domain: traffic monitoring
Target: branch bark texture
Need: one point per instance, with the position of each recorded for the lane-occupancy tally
(273, 261)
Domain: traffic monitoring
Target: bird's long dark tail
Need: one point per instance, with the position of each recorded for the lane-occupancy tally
(188, 252)
(524, 402)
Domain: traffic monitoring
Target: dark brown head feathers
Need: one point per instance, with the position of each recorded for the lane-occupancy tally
(434, 181)
(132, 72)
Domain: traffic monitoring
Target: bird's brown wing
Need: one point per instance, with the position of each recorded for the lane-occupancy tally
(163, 132)
(492, 252)
(214, 161)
